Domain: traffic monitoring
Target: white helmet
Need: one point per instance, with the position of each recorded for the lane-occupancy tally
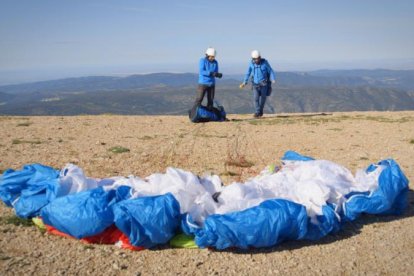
(255, 54)
(211, 52)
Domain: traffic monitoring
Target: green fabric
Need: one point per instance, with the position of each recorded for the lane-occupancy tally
(39, 223)
(183, 241)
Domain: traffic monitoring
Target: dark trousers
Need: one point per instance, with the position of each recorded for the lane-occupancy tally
(201, 91)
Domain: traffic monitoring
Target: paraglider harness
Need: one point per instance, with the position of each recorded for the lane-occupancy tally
(202, 114)
(263, 83)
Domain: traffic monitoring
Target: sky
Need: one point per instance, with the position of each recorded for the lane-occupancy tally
(47, 39)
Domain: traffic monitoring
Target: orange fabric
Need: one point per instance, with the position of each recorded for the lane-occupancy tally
(111, 235)
(127, 245)
(52, 230)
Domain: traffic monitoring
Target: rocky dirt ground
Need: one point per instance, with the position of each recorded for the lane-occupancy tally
(236, 150)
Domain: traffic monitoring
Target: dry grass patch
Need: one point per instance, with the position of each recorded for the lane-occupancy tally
(239, 162)
(318, 120)
(18, 141)
(229, 173)
(146, 137)
(119, 149)
(306, 119)
(388, 120)
(25, 124)
(210, 136)
(13, 220)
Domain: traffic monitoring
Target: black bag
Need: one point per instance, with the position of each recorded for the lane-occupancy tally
(201, 114)
(269, 90)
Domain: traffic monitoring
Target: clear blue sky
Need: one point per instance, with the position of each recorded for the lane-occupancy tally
(126, 36)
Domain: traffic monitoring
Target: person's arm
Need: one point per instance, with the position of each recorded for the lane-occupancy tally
(202, 68)
(248, 73)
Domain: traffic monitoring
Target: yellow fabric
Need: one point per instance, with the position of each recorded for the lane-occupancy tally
(183, 241)
(39, 223)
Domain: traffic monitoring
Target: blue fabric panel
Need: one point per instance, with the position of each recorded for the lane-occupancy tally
(83, 214)
(267, 224)
(294, 156)
(148, 221)
(12, 182)
(389, 198)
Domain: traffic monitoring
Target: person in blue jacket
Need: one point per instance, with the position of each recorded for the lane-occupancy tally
(208, 71)
(262, 78)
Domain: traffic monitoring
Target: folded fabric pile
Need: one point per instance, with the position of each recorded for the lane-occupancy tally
(304, 199)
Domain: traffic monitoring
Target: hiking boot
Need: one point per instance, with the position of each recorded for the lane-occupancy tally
(255, 115)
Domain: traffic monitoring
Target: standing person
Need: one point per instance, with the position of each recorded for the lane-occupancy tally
(262, 78)
(208, 71)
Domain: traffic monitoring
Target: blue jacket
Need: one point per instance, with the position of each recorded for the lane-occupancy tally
(260, 72)
(205, 68)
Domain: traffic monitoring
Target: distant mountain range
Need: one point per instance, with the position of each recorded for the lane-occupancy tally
(168, 93)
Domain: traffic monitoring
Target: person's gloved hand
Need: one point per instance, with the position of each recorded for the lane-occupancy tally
(273, 81)
(242, 85)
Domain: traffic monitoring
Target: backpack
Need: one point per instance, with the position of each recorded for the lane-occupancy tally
(201, 114)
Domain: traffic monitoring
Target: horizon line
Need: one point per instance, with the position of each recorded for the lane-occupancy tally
(120, 75)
